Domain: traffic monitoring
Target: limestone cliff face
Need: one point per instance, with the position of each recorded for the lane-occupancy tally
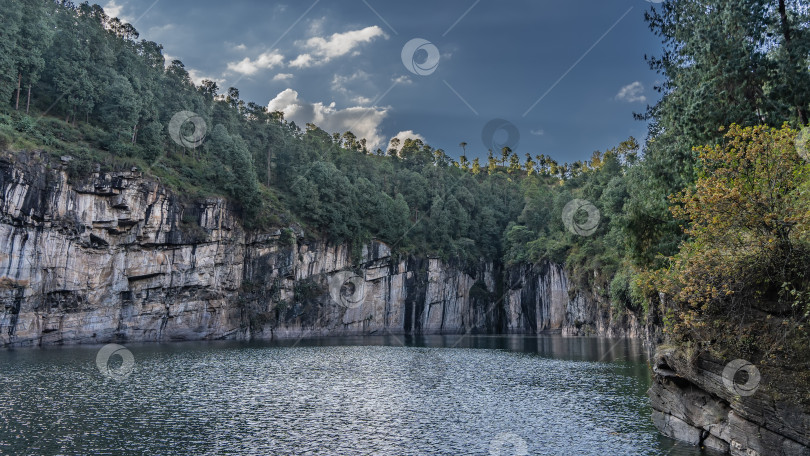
(117, 257)
(691, 402)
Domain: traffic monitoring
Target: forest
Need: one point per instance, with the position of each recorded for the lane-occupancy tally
(711, 209)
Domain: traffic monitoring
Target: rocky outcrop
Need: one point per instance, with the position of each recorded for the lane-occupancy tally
(540, 297)
(697, 402)
(118, 257)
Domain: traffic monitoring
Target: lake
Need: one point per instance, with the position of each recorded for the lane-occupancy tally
(377, 395)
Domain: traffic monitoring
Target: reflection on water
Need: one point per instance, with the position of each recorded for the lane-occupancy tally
(449, 395)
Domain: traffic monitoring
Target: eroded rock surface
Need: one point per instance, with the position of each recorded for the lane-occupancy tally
(118, 257)
(691, 403)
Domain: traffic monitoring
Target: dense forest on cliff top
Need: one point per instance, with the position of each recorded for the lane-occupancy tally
(711, 209)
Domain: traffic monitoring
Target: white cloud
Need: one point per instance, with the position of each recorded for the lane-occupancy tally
(404, 80)
(321, 50)
(198, 77)
(340, 83)
(316, 26)
(407, 134)
(249, 67)
(195, 75)
(302, 61)
(538, 132)
(240, 47)
(632, 93)
(113, 9)
(364, 122)
(282, 76)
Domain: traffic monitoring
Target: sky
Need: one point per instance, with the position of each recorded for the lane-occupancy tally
(561, 78)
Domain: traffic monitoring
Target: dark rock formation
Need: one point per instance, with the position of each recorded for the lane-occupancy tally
(692, 403)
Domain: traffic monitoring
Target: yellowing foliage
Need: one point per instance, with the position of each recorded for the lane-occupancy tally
(748, 256)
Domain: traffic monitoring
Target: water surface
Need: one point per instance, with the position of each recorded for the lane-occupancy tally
(435, 395)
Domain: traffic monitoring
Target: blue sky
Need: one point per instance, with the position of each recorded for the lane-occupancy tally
(339, 63)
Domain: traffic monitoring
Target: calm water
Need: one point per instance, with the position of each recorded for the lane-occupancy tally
(448, 395)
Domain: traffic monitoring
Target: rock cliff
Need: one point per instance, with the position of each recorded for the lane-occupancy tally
(701, 402)
(118, 257)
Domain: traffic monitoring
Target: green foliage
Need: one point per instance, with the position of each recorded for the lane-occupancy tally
(106, 99)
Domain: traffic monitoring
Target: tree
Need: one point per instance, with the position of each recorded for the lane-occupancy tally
(34, 37)
(476, 167)
(119, 108)
(505, 151)
(748, 219)
(529, 165)
(491, 163)
(464, 163)
(10, 22)
(394, 149)
(791, 58)
(514, 164)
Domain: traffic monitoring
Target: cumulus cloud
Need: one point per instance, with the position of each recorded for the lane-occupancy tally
(364, 122)
(302, 61)
(249, 67)
(407, 134)
(196, 76)
(113, 9)
(282, 76)
(632, 93)
(321, 50)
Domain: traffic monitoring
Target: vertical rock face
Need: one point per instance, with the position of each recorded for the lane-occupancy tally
(119, 257)
(692, 403)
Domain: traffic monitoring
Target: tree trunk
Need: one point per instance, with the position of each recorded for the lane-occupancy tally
(19, 81)
(789, 46)
(135, 134)
(28, 103)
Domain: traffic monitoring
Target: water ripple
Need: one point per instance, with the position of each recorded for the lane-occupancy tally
(328, 399)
